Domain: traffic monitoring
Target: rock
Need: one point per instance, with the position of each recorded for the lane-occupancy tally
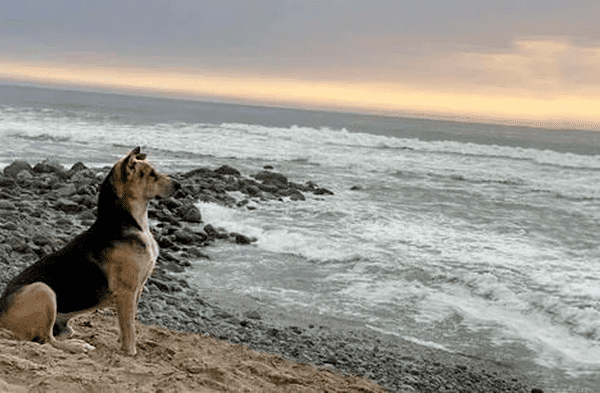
(252, 315)
(296, 196)
(49, 166)
(7, 205)
(41, 239)
(67, 206)
(322, 191)
(24, 176)
(189, 213)
(89, 214)
(195, 252)
(67, 190)
(77, 167)
(16, 167)
(200, 172)
(213, 233)
(268, 177)
(7, 182)
(227, 170)
(187, 236)
(18, 244)
(241, 239)
(252, 190)
(356, 188)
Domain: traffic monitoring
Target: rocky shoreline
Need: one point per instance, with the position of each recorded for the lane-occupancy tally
(44, 206)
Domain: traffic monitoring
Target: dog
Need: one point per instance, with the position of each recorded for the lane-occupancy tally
(104, 266)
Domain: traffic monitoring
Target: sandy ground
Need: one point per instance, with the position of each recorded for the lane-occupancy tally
(167, 361)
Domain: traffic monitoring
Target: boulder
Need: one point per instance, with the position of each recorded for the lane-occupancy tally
(49, 166)
(274, 178)
(227, 170)
(16, 167)
(77, 167)
(187, 236)
(213, 233)
(189, 213)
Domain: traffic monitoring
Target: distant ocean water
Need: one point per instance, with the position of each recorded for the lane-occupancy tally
(479, 239)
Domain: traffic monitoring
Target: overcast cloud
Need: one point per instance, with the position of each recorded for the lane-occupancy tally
(545, 47)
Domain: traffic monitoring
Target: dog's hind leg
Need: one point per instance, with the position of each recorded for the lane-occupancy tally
(31, 316)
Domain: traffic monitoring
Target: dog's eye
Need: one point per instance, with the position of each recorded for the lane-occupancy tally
(141, 174)
(153, 174)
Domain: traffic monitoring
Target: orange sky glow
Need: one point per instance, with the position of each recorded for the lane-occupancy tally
(537, 82)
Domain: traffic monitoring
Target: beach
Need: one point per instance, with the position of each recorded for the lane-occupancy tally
(187, 343)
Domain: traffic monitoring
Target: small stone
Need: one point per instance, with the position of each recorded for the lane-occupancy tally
(67, 190)
(67, 206)
(7, 205)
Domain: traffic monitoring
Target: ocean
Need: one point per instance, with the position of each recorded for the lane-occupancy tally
(473, 238)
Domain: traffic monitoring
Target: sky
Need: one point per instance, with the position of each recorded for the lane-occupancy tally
(515, 62)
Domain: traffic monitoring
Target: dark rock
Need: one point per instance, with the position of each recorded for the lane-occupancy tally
(7, 205)
(195, 252)
(356, 188)
(268, 177)
(77, 167)
(271, 188)
(16, 167)
(213, 233)
(322, 191)
(24, 177)
(18, 244)
(227, 170)
(41, 239)
(252, 190)
(66, 191)
(296, 196)
(252, 315)
(89, 214)
(67, 206)
(49, 166)
(170, 203)
(200, 172)
(7, 182)
(164, 286)
(187, 236)
(163, 215)
(189, 213)
(241, 239)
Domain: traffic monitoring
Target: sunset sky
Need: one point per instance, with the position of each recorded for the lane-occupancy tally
(527, 62)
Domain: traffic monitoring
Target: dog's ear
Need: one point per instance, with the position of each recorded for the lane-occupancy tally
(137, 150)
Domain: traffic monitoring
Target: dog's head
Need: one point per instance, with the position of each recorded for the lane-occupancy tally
(134, 178)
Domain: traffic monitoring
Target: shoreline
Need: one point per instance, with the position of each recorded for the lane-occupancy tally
(44, 206)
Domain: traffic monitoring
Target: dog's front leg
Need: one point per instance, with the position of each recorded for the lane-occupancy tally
(126, 307)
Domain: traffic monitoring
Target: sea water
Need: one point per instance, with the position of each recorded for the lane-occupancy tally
(477, 239)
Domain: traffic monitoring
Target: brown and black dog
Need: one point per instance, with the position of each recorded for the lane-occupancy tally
(105, 265)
